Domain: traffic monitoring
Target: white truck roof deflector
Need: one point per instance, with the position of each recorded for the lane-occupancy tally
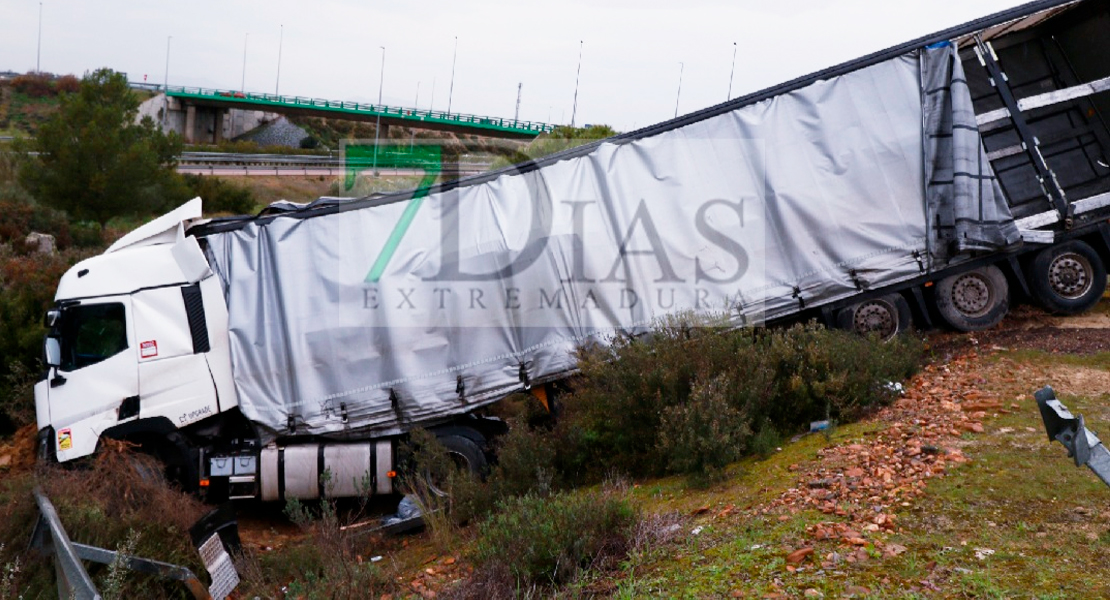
(162, 230)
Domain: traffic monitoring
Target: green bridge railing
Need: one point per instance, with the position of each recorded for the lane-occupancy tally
(355, 108)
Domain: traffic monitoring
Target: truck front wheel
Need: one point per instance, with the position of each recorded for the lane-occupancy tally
(1068, 279)
(975, 300)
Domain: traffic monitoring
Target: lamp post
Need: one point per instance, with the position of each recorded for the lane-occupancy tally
(451, 90)
(281, 39)
(166, 84)
(378, 125)
(38, 51)
(243, 83)
(681, 67)
(415, 107)
(732, 72)
(577, 78)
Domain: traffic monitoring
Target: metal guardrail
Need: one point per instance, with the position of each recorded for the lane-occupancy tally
(286, 160)
(73, 580)
(1071, 431)
(407, 114)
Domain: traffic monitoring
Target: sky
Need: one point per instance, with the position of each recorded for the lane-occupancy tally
(633, 52)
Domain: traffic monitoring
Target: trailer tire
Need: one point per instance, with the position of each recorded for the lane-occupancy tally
(974, 300)
(465, 453)
(886, 316)
(1068, 279)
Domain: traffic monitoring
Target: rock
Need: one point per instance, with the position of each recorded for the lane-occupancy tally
(5, 461)
(813, 593)
(799, 555)
(854, 472)
(856, 590)
(43, 243)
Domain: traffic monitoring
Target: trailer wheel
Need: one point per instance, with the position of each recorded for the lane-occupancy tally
(465, 455)
(975, 300)
(1068, 279)
(886, 316)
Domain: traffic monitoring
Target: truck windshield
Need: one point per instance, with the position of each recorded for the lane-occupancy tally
(91, 333)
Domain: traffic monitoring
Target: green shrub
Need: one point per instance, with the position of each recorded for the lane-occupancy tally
(220, 196)
(525, 466)
(549, 540)
(705, 434)
(821, 373)
(87, 234)
(692, 394)
(27, 285)
(21, 215)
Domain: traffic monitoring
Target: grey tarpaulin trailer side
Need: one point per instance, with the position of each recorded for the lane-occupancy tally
(410, 388)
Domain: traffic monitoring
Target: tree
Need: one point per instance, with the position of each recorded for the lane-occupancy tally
(95, 162)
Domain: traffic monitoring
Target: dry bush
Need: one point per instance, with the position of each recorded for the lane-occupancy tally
(103, 502)
(327, 563)
(67, 84)
(35, 85)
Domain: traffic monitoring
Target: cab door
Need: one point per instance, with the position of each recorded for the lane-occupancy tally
(96, 375)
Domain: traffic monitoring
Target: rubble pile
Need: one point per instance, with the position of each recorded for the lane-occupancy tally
(865, 482)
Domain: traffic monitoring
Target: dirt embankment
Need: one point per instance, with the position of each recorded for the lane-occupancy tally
(17, 455)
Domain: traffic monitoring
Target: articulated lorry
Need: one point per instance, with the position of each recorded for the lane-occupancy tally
(932, 183)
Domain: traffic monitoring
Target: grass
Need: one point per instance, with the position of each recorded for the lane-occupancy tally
(1018, 521)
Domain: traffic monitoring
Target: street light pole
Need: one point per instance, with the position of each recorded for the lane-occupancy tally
(415, 106)
(733, 72)
(577, 78)
(681, 67)
(243, 83)
(38, 52)
(166, 84)
(378, 125)
(281, 39)
(451, 90)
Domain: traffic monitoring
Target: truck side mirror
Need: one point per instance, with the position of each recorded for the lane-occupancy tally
(51, 319)
(53, 352)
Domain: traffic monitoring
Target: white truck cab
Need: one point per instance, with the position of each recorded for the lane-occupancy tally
(138, 338)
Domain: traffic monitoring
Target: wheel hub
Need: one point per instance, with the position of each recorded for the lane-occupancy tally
(1070, 275)
(878, 317)
(971, 295)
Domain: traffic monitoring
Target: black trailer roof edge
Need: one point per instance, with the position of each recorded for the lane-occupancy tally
(225, 224)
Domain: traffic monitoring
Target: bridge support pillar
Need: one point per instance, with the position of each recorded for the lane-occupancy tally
(384, 134)
(190, 123)
(218, 133)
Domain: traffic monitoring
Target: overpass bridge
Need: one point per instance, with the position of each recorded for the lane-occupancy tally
(213, 104)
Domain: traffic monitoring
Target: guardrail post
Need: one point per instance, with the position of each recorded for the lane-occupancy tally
(73, 579)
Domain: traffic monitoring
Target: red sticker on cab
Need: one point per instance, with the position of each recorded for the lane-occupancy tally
(148, 349)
